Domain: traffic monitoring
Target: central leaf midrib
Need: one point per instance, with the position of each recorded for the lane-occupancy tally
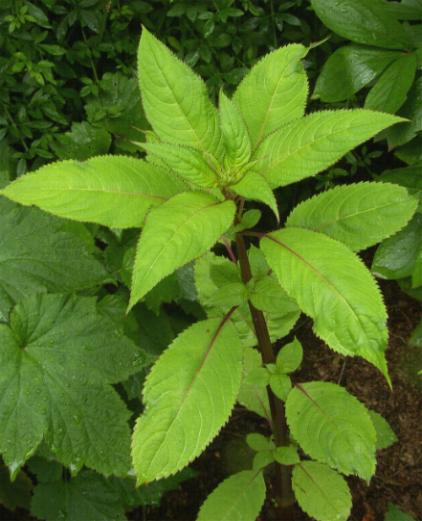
(341, 218)
(200, 139)
(98, 191)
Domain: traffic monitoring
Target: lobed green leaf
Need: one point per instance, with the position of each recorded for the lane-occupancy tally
(59, 357)
(40, 253)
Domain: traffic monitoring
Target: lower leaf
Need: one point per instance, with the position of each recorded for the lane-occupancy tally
(239, 498)
(321, 492)
(189, 395)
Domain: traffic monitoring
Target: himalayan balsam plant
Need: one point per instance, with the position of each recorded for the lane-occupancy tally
(202, 166)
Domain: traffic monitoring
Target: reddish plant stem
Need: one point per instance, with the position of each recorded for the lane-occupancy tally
(284, 494)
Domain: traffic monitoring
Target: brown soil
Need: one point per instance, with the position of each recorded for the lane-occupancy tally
(399, 473)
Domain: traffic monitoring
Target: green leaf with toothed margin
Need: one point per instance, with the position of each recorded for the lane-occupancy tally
(237, 144)
(333, 286)
(175, 233)
(114, 191)
(255, 187)
(359, 215)
(332, 427)
(251, 395)
(240, 497)
(175, 99)
(273, 92)
(58, 357)
(188, 162)
(321, 492)
(309, 145)
(188, 397)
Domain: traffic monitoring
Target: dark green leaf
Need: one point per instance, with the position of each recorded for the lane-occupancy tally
(363, 21)
(349, 69)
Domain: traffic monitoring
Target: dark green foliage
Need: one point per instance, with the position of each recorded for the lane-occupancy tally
(67, 84)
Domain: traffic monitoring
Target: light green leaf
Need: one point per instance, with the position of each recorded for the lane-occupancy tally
(255, 187)
(253, 397)
(363, 21)
(248, 220)
(239, 498)
(309, 145)
(213, 272)
(321, 492)
(115, 191)
(262, 459)
(286, 455)
(332, 427)
(290, 357)
(229, 295)
(188, 162)
(349, 69)
(175, 100)
(280, 385)
(188, 397)
(332, 286)
(266, 294)
(385, 434)
(41, 253)
(87, 497)
(390, 91)
(359, 215)
(237, 144)
(59, 357)
(274, 92)
(258, 442)
(175, 233)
